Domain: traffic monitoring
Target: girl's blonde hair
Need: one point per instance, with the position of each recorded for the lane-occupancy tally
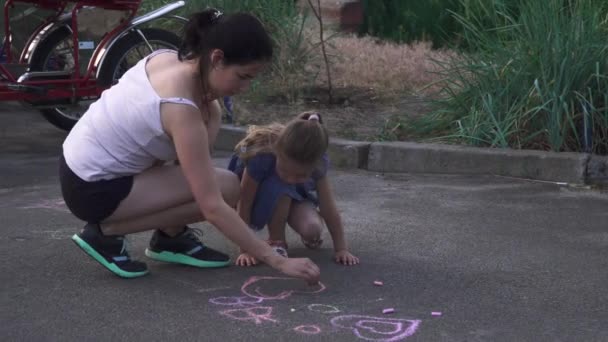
(303, 139)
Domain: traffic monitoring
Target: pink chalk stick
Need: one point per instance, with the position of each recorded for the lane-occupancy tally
(436, 313)
(378, 283)
(387, 311)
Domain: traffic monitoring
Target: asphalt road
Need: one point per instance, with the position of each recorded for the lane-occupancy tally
(462, 258)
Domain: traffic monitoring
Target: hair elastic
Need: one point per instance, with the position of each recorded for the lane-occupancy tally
(314, 117)
(217, 15)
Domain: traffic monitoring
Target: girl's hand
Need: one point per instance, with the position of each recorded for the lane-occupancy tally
(245, 259)
(345, 258)
(302, 268)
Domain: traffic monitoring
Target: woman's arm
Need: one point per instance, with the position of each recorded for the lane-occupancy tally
(189, 135)
(215, 120)
(213, 127)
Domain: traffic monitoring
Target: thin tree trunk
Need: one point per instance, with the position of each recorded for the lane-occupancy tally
(327, 68)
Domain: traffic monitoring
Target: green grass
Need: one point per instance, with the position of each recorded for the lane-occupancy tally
(536, 78)
(429, 20)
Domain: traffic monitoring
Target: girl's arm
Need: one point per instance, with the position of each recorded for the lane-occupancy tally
(329, 212)
(249, 187)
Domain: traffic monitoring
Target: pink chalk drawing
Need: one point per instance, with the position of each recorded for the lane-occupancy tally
(253, 293)
(235, 301)
(55, 204)
(323, 308)
(378, 329)
(54, 234)
(257, 314)
(252, 288)
(307, 329)
(246, 307)
(258, 290)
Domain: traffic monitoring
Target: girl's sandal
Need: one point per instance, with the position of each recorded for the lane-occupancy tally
(312, 244)
(279, 246)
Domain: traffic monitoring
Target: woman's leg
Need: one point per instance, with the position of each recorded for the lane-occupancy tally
(171, 221)
(306, 221)
(161, 199)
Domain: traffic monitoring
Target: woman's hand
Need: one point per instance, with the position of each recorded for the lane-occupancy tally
(345, 258)
(301, 268)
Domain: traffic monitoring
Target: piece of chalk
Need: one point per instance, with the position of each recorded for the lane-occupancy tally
(387, 311)
(436, 313)
(378, 283)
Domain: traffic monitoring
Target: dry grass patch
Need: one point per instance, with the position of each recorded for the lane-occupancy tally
(387, 68)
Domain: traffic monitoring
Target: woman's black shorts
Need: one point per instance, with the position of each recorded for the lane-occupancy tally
(95, 201)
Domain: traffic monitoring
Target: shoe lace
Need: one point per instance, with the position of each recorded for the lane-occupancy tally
(196, 234)
(125, 246)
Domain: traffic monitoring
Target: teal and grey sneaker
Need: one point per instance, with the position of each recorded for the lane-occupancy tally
(185, 248)
(110, 251)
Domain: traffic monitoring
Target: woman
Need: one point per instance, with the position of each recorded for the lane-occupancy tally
(113, 171)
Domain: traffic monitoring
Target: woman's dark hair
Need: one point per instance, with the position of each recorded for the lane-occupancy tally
(241, 36)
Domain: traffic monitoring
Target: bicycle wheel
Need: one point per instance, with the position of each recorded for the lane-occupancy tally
(130, 49)
(54, 53)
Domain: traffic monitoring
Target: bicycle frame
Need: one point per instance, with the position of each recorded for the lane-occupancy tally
(77, 84)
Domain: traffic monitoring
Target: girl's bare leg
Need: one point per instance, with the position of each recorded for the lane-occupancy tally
(306, 221)
(276, 229)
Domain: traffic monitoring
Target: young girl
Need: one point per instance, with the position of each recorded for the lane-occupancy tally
(280, 168)
(113, 170)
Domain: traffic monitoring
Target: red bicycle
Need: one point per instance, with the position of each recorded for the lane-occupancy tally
(58, 56)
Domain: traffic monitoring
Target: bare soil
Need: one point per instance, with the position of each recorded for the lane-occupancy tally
(356, 114)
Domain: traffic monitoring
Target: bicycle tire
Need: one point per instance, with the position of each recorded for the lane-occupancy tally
(107, 72)
(38, 62)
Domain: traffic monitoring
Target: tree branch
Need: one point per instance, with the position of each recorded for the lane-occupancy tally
(321, 29)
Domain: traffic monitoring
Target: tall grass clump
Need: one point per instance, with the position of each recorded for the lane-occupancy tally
(408, 21)
(538, 78)
(431, 20)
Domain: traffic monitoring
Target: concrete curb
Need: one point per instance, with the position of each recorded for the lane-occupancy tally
(411, 157)
(228, 137)
(597, 170)
(348, 154)
(436, 158)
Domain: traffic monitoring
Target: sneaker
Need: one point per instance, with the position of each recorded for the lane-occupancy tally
(185, 248)
(110, 251)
